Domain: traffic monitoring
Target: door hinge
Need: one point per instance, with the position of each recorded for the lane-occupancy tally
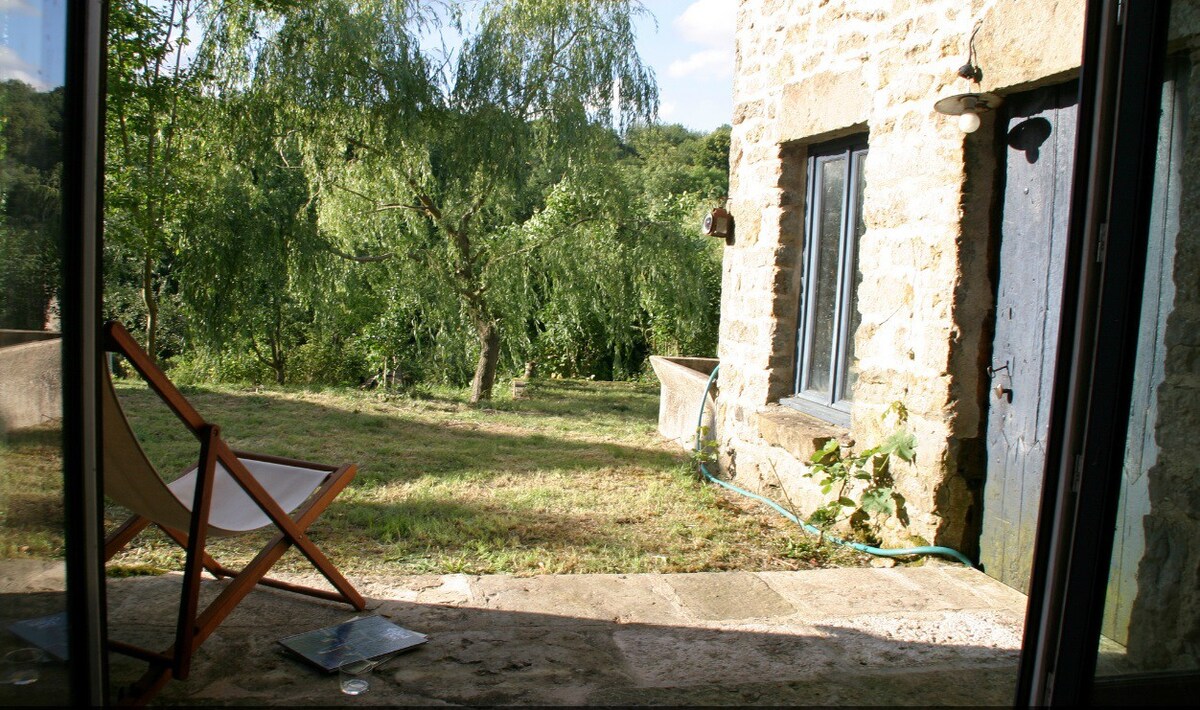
(1077, 474)
(1102, 243)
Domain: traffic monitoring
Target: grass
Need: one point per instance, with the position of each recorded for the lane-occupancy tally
(31, 507)
(571, 479)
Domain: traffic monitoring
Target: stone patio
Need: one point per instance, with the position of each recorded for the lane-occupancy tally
(935, 634)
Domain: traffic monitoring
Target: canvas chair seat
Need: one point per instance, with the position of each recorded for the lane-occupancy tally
(235, 512)
(131, 480)
(226, 493)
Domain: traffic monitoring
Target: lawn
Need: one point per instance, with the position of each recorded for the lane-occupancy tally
(571, 479)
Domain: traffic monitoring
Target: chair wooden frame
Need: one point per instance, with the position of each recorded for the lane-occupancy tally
(193, 625)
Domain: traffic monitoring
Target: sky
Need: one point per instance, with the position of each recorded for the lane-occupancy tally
(31, 41)
(691, 51)
(688, 43)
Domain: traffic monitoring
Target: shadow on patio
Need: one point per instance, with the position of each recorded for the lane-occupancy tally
(926, 635)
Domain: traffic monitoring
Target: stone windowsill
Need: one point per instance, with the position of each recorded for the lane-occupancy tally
(797, 433)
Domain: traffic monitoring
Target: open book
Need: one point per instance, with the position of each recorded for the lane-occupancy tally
(366, 637)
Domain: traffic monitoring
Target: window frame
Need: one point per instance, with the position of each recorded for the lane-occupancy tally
(835, 405)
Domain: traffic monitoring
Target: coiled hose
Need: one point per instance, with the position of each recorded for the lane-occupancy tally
(877, 551)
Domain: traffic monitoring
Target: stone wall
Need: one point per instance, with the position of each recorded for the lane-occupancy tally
(812, 70)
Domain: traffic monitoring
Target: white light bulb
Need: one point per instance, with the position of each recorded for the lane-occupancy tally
(968, 122)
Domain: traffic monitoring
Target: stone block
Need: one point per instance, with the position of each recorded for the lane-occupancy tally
(823, 104)
(797, 433)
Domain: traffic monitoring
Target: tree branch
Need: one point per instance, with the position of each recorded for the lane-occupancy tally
(534, 247)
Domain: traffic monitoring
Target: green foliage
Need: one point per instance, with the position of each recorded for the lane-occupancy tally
(30, 202)
(321, 195)
(844, 474)
(150, 90)
(706, 453)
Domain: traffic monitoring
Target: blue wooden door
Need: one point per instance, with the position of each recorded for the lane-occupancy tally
(1038, 155)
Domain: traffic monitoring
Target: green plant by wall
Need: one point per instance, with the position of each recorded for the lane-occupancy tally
(705, 453)
(861, 483)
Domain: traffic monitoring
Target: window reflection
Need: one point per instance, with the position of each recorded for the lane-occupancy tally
(32, 579)
(1152, 613)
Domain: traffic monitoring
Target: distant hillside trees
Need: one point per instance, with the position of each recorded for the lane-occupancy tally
(30, 203)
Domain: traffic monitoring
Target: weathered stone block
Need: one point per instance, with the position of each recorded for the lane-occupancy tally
(797, 433)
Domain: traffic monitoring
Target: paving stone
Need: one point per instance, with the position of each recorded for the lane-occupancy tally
(854, 591)
(728, 595)
(609, 597)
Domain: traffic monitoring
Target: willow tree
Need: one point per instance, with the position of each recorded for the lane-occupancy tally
(247, 251)
(431, 154)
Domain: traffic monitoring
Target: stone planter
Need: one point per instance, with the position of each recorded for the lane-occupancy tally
(682, 385)
(31, 385)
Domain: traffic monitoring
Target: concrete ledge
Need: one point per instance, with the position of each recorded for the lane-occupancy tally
(17, 337)
(797, 433)
(31, 391)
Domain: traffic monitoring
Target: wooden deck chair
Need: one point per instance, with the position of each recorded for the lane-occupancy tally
(227, 493)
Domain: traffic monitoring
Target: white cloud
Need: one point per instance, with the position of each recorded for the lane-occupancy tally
(666, 109)
(708, 22)
(708, 63)
(13, 67)
(20, 7)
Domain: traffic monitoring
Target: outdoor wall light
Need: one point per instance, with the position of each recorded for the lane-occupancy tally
(968, 106)
(718, 223)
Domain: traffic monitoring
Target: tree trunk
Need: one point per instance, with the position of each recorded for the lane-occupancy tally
(489, 358)
(151, 301)
(280, 369)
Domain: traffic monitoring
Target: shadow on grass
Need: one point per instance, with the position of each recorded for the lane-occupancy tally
(387, 448)
(450, 527)
(580, 398)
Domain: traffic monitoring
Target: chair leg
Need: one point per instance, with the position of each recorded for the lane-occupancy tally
(143, 690)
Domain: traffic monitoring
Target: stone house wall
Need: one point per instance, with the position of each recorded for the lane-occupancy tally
(813, 70)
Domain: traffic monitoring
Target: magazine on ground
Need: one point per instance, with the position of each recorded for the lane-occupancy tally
(48, 633)
(365, 637)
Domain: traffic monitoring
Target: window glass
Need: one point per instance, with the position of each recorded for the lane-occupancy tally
(33, 628)
(851, 309)
(832, 181)
(1152, 610)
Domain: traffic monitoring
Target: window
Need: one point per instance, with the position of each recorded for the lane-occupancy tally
(828, 314)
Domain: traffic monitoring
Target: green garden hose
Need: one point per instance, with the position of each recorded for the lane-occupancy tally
(877, 551)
